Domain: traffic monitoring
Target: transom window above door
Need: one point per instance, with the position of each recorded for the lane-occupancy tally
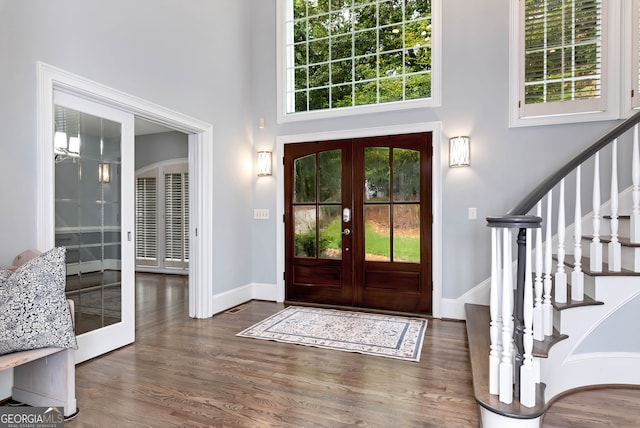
(341, 54)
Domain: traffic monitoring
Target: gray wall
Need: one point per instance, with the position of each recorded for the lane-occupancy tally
(154, 148)
(505, 163)
(193, 57)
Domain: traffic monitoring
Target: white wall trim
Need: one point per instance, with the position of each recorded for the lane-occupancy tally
(50, 78)
(436, 204)
(229, 299)
(479, 295)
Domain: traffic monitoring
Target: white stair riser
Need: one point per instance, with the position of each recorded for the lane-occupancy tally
(630, 255)
(608, 289)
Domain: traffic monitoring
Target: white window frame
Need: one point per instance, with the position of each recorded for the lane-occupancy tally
(555, 113)
(436, 76)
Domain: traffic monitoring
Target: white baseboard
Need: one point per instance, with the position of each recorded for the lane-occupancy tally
(454, 308)
(267, 292)
(237, 296)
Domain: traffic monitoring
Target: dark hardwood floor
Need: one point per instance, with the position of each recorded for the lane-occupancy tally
(183, 372)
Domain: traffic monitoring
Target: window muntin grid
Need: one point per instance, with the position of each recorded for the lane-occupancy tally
(346, 53)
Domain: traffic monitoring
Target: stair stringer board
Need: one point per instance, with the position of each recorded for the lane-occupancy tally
(565, 369)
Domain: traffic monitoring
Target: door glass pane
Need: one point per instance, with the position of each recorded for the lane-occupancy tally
(330, 176)
(304, 217)
(87, 214)
(377, 231)
(406, 175)
(304, 179)
(376, 173)
(406, 233)
(330, 232)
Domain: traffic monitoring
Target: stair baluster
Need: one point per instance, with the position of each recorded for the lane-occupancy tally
(538, 322)
(635, 176)
(495, 312)
(577, 276)
(547, 308)
(527, 373)
(614, 247)
(506, 365)
(561, 276)
(595, 248)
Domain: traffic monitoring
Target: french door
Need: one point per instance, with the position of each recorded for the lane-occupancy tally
(358, 222)
(94, 219)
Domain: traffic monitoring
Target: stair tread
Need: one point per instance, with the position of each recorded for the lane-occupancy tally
(478, 319)
(570, 303)
(541, 347)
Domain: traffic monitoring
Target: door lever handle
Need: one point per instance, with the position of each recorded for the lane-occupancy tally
(346, 231)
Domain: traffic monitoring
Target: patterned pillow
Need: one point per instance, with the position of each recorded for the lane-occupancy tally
(34, 312)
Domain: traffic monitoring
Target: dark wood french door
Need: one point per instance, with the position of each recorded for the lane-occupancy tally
(358, 222)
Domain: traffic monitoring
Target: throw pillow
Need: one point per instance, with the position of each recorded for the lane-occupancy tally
(34, 312)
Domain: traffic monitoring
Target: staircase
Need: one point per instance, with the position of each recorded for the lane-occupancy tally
(564, 300)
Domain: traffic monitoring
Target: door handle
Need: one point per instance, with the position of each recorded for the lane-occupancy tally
(346, 231)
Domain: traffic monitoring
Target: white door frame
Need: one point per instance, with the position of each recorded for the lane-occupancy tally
(436, 194)
(200, 166)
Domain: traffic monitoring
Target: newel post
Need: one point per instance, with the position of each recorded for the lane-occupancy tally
(516, 317)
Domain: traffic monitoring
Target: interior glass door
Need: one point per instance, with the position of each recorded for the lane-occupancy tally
(93, 219)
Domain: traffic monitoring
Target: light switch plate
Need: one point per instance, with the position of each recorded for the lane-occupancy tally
(261, 213)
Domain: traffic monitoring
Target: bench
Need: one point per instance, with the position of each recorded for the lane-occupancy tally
(44, 377)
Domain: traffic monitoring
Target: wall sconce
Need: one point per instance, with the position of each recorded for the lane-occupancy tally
(459, 151)
(103, 173)
(264, 163)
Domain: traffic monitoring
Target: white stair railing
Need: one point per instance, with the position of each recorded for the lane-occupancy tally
(516, 325)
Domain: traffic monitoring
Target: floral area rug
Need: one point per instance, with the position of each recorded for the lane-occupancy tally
(371, 334)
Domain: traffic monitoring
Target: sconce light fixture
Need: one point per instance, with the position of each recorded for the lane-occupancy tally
(459, 151)
(104, 175)
(264, 163)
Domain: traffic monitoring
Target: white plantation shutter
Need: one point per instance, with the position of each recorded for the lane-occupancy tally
(176, 222)
(563, 57)
(146, 221)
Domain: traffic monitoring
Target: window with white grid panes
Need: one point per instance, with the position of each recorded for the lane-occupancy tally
(350, 53)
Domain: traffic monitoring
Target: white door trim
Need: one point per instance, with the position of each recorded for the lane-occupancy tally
(200, 166)
(436, 232)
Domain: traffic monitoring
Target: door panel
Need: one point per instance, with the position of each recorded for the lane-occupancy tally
(377, 254)
(318, 254)
(94, 220)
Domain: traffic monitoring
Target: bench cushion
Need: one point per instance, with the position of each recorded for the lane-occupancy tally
(33, 308)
